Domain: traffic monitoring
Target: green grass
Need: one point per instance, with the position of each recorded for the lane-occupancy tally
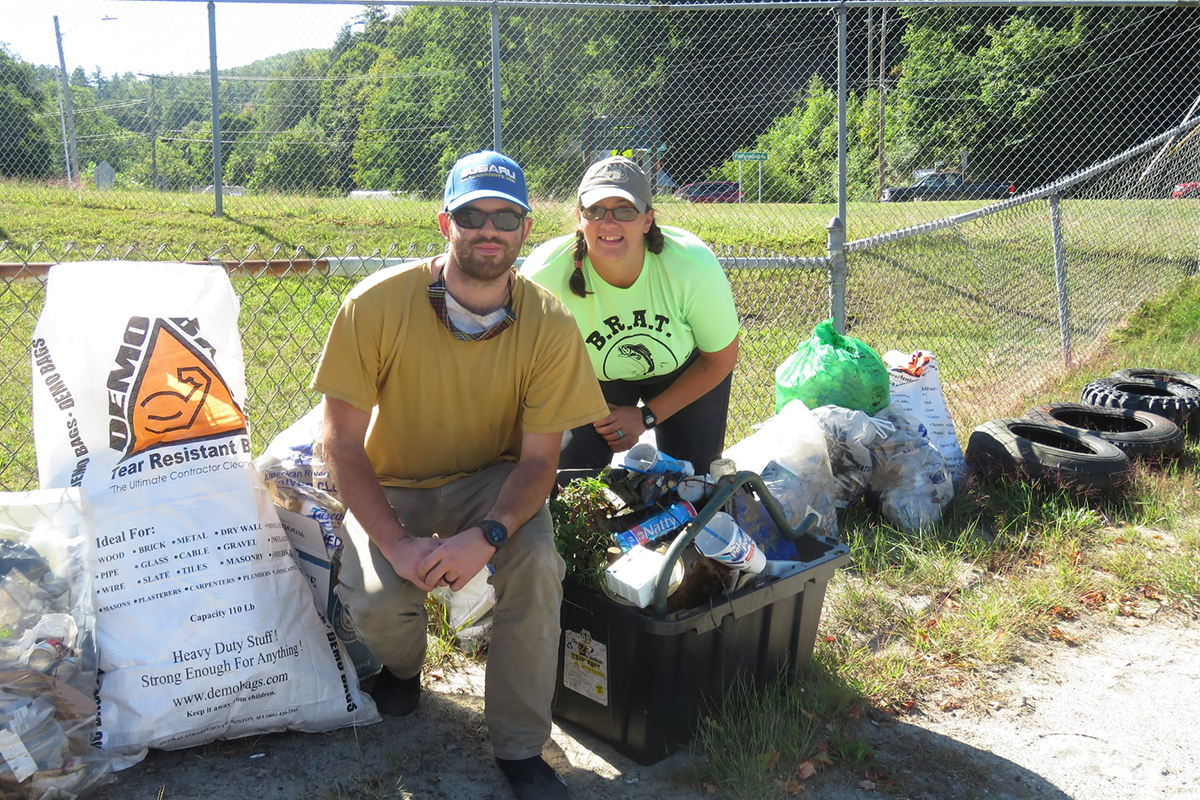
(980, 296)
(51, 217)
(1013, 565)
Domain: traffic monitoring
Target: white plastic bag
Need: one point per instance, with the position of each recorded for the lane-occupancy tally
(300, 484)
(469, 609)
(206, 628)
(914, 381)
(298, 479)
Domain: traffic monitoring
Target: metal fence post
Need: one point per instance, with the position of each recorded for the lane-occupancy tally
(216, 108)
(841, 151)
(837, 273)
(496, 143)
(1060, 277)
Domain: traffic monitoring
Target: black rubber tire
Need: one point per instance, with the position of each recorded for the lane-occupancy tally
(1154, 374)
(1139, 434)
(1046, 452)
(1178, 402)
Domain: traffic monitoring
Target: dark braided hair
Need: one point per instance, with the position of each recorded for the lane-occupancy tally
(654, 243)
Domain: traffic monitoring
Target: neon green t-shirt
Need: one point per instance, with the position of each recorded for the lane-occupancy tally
(680, 301)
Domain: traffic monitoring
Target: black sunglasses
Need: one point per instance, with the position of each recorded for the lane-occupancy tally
(473, 219)
(620, 213)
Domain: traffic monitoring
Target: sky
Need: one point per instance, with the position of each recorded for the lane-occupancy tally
(165, 36)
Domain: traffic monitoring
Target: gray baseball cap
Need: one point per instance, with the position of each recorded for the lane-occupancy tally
(615, 177)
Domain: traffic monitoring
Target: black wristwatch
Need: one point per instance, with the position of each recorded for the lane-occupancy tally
(648, 418)
(495, 532)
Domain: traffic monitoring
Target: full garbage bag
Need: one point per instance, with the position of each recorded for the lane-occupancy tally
(47, 648)
(849, 437)
(205, 626)
(788, 451)
(915, 383)
(909, 476)
(829, 368)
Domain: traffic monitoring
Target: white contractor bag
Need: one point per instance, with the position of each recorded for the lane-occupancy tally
(206, 629)
(914, 380)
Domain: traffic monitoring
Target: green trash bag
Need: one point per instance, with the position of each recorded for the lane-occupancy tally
(829, 369)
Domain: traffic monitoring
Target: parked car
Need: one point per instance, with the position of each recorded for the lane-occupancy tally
(948, 186)
(1187, 189)
(711, 192)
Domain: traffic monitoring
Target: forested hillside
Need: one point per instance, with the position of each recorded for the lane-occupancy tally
(1021, 94)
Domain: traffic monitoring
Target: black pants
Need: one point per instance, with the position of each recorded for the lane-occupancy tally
(695, 433)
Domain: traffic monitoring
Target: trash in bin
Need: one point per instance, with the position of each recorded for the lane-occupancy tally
(640, 678)
(642, 682)
(722, 540)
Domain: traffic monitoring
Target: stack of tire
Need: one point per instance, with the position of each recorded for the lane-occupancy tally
(1132, 414)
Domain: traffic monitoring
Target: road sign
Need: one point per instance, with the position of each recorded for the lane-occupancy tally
(749, 155)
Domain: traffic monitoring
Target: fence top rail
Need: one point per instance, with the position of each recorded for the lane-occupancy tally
(1051, 189)
(361, 266)
(730, 5)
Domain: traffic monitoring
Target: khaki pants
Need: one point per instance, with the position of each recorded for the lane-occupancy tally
(389, 612)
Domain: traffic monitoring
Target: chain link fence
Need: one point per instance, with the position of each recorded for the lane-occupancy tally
(331, 162)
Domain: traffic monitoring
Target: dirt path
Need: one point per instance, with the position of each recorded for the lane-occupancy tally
(1115, 717)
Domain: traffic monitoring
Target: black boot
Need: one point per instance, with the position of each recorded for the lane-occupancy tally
(396, 697)
(533, 779)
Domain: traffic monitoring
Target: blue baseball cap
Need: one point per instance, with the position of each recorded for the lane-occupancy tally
(485, 174)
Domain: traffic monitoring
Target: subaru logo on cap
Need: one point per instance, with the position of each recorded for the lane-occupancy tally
(485, 174)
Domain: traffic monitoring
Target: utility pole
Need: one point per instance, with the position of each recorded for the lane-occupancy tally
(870, 43)
(62, 123)
(153, 136)
(72, 154)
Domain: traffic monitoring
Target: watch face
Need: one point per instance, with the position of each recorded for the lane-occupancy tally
(648, 419)
(494, 532)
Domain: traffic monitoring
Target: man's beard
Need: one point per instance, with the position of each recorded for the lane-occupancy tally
(481, 268)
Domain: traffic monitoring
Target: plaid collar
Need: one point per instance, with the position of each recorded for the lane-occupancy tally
(437, 299)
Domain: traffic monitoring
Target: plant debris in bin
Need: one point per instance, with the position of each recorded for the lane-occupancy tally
(588, 512)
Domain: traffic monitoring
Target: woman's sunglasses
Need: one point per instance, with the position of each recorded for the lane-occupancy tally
(620, 213)
(473, 219)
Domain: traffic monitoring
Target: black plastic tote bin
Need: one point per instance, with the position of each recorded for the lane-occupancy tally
(641, 680)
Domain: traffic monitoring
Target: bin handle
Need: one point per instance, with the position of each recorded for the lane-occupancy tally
(726, 486)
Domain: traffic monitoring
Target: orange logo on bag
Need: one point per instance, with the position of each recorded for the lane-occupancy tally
(179, 396)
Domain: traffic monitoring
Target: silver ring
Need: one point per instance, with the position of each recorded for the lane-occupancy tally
(620, 433)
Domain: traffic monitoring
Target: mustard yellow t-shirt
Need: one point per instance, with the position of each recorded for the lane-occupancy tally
(443, 407)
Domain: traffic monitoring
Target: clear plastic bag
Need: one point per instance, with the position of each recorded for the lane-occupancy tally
(469, 609)
(910, 475)
(788, 451)
(47, 648)
(849, 437)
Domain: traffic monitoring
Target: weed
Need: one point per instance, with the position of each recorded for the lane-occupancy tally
(581, 530)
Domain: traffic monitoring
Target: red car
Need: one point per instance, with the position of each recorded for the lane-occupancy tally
(1188, 189)
(711, 192)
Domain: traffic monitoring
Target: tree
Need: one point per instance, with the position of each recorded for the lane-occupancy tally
(343, 97)
(1032, 94)
(26, 135)
(801, 147)
(296, 161)
(422, 100)
(294, 94)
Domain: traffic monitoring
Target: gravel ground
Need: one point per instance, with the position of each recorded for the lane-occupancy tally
(1110, 717)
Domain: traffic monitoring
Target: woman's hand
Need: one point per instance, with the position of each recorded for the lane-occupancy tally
(621, 428)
